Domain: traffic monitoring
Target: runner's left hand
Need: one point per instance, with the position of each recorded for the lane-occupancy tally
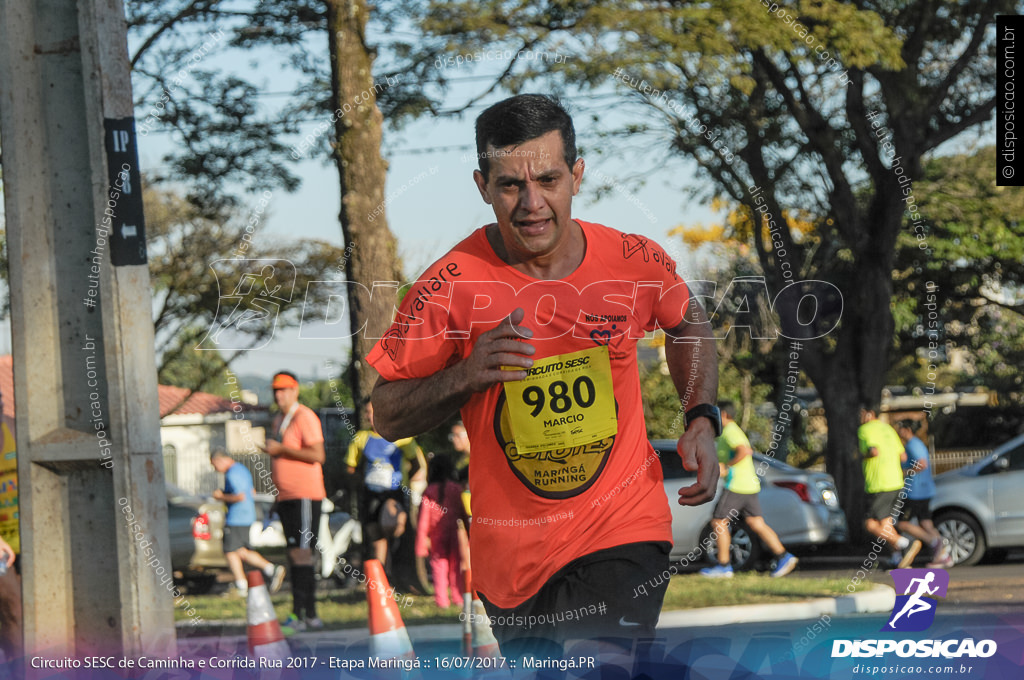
(697, 449)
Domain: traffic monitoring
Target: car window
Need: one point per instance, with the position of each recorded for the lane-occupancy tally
(1014, 456)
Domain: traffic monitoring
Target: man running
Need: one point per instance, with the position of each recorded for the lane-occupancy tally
(529, 327)
(383, 507)
(238, 495)
(920, 489)
(739, 499)
(882, 449)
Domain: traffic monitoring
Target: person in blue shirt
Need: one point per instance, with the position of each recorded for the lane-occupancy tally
(383, 507)
(238, 495)
(920, 488)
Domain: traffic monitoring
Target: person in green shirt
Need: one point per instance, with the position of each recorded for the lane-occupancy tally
(739, 499)
(881, 449)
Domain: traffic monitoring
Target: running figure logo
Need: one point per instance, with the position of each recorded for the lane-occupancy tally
(247, 315)
(915, 608)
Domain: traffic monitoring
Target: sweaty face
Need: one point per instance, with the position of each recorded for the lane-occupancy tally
(530, 188)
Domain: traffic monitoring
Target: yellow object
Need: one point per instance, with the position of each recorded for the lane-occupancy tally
(565, 400)
(9, 489)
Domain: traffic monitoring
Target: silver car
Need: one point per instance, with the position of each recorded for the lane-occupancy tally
(980, 507)
(801, 506)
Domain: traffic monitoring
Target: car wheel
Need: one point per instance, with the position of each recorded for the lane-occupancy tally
(745, 549)
(966, 540)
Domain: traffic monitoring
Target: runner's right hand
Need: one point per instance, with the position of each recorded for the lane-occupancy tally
(503, 345)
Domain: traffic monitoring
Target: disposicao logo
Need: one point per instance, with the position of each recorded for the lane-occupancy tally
(915, 608)
(914, 611)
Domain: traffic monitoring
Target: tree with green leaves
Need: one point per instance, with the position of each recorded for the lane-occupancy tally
(227, 142)
(818, 107)
(195, 269)
(960, 317)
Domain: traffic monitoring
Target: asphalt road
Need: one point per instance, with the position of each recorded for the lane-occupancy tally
(984, 588)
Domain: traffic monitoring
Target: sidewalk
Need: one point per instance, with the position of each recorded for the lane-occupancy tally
(877, 599)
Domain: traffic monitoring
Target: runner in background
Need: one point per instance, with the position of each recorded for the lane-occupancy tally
(383, 501)
(739, 499)
(920, 489)
(881, 451)
(237, 494)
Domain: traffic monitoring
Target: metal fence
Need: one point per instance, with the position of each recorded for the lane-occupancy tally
(953, 459)
(191, 470)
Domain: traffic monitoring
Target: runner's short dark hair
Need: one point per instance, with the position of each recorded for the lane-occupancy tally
(519, 119)
(910, 424)
(728, 408)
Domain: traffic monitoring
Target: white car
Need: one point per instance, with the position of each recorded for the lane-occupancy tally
(801, 506)
(980, 507)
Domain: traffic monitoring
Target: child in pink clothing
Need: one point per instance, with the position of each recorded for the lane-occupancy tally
(437, 533)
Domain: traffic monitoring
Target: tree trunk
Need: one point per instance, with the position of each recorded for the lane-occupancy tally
(362, 173)
(854, 373)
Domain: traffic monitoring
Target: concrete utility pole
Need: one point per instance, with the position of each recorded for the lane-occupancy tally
(92, 500)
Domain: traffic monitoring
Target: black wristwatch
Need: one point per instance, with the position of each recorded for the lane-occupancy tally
(709, 411)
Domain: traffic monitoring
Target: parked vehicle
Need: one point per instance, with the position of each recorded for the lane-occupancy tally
(196, 533)
(800, 505)
(980, 507)
(196, 527)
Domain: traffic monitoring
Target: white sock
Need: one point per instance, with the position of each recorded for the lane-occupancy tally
(269, 570)
(241, 585)
(902, 542)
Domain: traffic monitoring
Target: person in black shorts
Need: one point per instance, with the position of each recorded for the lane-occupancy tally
(739, 499)
(238, 495)
(516, 328)
(383, 508)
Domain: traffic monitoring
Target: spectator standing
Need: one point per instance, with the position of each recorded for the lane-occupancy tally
(437, 531)
(297, 455)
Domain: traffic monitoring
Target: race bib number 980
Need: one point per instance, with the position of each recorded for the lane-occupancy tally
(566, 400)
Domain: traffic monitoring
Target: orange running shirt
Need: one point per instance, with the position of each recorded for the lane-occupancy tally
(537, 509)
(296, 478)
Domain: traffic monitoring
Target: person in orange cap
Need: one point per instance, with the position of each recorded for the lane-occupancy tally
(296, 448)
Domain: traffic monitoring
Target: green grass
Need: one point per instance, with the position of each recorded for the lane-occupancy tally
(692, 591)
(340, 609)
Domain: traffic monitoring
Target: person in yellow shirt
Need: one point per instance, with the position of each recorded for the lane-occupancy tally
(383, 508)
(739, 499)
(881, 449)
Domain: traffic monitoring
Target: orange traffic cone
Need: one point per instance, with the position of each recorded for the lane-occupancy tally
(388, 637)
(264, 632)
